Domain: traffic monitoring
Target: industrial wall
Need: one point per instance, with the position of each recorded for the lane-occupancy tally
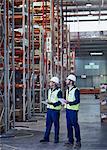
(91, 71)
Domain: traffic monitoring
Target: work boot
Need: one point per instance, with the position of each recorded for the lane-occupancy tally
(77, 145)
(69, 144)
(44, 141)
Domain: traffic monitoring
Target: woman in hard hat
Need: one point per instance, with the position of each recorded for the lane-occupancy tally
(53, 110)
(72, 108)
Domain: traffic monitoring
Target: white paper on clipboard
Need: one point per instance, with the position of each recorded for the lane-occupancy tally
(62, 100)
(44, 102)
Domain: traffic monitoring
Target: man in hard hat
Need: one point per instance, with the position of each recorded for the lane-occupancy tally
(72, 108)
(53, 110)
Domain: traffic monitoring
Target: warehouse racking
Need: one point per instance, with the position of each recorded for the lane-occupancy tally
(23, 51)
(31, 52)
(72, 61)
(15, 64)
(41, 18)
(7, 82)
(39, 86)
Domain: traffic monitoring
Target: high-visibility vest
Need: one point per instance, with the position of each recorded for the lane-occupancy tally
(70, 97)
(53, 98)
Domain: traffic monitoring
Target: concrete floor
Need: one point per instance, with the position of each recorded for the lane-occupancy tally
(26, 136)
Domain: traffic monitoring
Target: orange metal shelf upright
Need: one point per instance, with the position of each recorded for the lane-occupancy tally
(41, 19)
(18, 47)
(22, 47)
(57, 39)
(38, 66)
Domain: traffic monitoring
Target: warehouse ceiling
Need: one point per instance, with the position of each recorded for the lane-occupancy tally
(85, 10)
(79, 10)
(85, 47)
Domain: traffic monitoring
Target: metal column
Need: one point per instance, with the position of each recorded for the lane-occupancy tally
(1, 64)
(5, 71)
(28, 62)
(24, 77)
(13, 65)
(52, 36)
(62, 21)
(32, 63)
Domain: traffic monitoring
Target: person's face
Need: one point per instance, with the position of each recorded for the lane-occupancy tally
(69, 82)
(52, 85)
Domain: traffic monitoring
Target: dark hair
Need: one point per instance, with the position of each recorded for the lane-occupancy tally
(73, 83)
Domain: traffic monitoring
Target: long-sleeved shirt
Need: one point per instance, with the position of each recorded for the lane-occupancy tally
(77, 98)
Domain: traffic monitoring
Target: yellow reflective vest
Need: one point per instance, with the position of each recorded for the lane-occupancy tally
(53, 98)
(70, 97)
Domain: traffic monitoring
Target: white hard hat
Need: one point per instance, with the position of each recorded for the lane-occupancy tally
(55, 79)
(71, 77)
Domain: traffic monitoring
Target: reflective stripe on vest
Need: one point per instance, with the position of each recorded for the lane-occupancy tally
(70, 97)
(52, 98)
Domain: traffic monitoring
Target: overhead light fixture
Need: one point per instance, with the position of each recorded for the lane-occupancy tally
(91, 63)
(88, 4)
(96, 53)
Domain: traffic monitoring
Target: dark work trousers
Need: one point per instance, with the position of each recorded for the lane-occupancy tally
(52, 117)
(72, 121)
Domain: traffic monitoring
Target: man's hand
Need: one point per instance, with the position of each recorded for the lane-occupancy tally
(70, 103)
(50, 103)
(67, 102)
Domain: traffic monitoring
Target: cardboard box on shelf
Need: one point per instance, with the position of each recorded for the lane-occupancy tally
(103, 87)
(104, 120)
(103, 115)
(103, 108)
(103, 102)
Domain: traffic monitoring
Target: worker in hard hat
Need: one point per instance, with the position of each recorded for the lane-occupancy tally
(53, 110)
(72, 108)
